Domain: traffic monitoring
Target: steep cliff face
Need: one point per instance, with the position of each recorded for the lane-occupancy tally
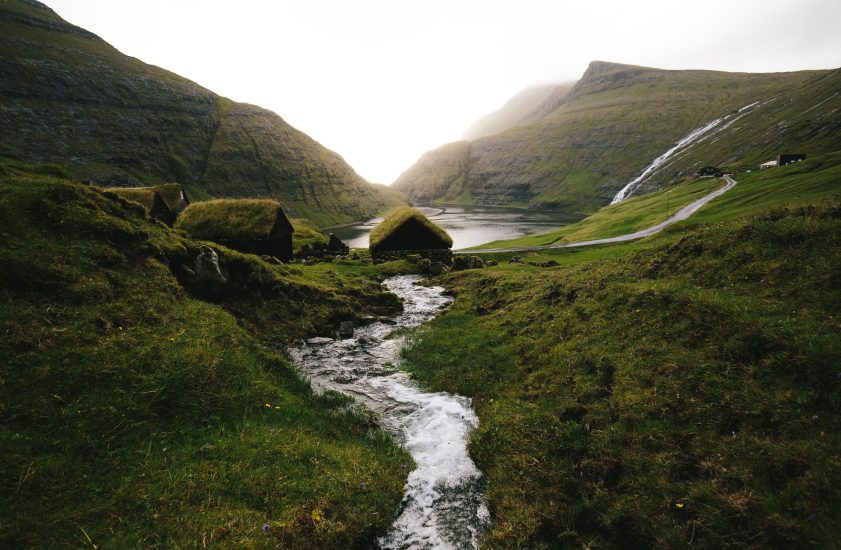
(517, 111)
(69, 98)
(439, 174)
(583, 145)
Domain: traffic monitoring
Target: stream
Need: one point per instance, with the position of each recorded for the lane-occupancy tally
(443, 504)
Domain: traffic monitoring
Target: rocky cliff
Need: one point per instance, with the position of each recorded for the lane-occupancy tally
(69, 98)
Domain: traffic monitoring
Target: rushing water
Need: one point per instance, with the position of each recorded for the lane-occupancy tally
(695, 136)
(471, 225)
(443, 505)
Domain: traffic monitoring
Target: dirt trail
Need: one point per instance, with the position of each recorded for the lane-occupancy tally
(681, 215)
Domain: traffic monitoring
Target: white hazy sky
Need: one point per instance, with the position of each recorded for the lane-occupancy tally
(383, 81)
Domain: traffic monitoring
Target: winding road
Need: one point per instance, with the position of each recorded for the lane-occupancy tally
(681, 215)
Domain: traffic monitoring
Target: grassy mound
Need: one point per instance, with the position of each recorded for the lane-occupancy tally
(383, 235)
(144, 196)
(684, 390)
(134, 414)
(230, 219)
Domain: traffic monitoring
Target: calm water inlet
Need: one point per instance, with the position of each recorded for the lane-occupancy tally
(471, 225)
(443, 504)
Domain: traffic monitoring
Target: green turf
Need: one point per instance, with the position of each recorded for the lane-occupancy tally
(138, 411)
(680, 390)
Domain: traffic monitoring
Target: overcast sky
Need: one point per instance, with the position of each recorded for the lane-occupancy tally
(382, 81)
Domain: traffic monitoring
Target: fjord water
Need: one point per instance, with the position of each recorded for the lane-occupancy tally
(443, 505)
(472, 225)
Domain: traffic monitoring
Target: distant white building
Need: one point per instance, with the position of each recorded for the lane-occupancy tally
(769, 164)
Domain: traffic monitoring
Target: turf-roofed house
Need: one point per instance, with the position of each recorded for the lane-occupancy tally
(406, 231)
(162, 202)
(257, 226)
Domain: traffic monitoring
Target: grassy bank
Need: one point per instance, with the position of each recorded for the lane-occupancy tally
(811, 179)
(138, 409)
(680, 390)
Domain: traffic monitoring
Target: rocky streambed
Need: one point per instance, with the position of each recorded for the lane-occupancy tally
(443, 504)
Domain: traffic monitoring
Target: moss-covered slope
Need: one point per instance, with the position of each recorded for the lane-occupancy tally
(679, 391)
(139, 410)
(71, 99)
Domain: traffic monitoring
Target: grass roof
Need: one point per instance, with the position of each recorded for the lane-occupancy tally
(171, 194)
(230, 219)
(144, 196)
(399, 217)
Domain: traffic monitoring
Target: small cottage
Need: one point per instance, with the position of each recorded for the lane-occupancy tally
(256, 226)
(709, 172)
(407, 231)
(788, 158)
(150, 199)
(174, 196)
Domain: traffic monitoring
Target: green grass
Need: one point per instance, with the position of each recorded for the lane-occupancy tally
(139, 411)
(808, 180)
(678, 390)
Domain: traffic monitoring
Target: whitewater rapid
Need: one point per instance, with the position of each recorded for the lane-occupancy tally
(697, 135)
(443, 504)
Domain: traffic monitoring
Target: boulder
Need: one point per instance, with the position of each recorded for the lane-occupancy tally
(467, 262)
(438, 268)
(207, 268)
(346, 329)
(335, 244)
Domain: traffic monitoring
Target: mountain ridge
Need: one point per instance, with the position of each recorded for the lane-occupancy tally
(70, 98)
(586, 145)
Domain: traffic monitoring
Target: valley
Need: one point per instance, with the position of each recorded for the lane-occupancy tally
(603, 326)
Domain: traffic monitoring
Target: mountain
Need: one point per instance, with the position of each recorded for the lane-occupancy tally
(516, 111)
(583, 145)
(69, 98)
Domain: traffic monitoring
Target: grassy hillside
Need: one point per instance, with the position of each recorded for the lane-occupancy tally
(71, 99)
(812, 178)
(142, 408)
(679, 390)
(440, 174)
(618, 118)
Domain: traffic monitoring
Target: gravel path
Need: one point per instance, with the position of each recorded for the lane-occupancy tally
(681, 215)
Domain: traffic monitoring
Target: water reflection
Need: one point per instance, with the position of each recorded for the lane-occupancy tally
(471, 225)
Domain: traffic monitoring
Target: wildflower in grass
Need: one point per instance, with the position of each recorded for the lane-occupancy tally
(277, 407)
(679, 505)
(266, 527)
(316, 515)
(268, 405)
(816, 419)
